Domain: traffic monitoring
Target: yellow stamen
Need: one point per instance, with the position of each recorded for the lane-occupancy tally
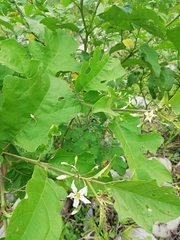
(77, 196)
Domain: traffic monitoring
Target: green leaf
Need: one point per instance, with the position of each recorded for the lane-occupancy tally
(175, 102)
(15, 57)
(105, 104)
(4, 22)
(57, 54)
(51, 22)
(70, 26)
(19, 173)
(149, 20)
(132, 78)
(4, 71)
(133, 61)
(92, 97)
(34, 105)
(174, 36)
(119, 165)
(35, 26)
(38, 215)
(98, 72)
(161, 84)
(167, 78)
(133, 144)
(66, 2)
(145, 202)
(85, 161)
(28, 8)
(150, 57)
(152, 85)
(117, 47)
(105, 171)
(119, 19)
(62, 156)
(1, 159)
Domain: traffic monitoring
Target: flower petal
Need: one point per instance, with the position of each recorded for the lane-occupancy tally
(84, 200)
(71, 195)
(83, 191)
(73, 187)
(76, 202)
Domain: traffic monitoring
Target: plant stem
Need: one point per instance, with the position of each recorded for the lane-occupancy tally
(94, 192)
(84, 24)
(117, 109)
(88, 29)
(173, 20)
(63, 137)
(3, 198)
(46, 166)
(152, 38)
(22, 15)
(93, 16)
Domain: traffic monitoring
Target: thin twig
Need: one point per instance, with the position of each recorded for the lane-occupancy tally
(84, 24)
(3, 198)
(22, 15)
(93, 16)
(152, 38)
(173, 20)
(48, 167)
(63, 137)
(116, 109)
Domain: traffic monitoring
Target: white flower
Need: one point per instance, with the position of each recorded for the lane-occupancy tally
(129, 103)
(78, 195)
(149, 116)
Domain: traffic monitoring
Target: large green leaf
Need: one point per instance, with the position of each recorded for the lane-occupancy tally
(175, 102)
(4, 71)
(150, 57)
(145, 202)
(56, 55)
(98, 72)
(149, 20)
(174, 36)
(133, 144)
(31, 107)
(145, 18)
(15, 57)
(117, 18)
(38, 215)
